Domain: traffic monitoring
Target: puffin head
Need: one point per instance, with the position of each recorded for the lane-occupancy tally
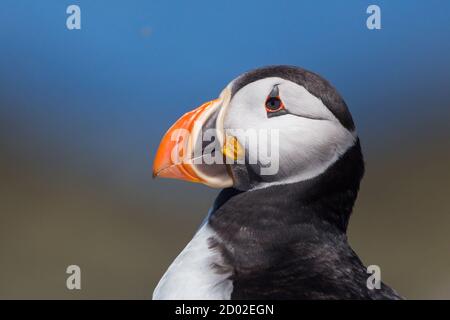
(273, 125)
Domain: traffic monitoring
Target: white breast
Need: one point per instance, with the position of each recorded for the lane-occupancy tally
(191, 276)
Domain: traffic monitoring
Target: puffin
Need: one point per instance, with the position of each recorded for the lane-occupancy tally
(277, 229)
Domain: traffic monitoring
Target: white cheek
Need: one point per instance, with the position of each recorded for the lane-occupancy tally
(309, 148)
(300, 102)
(247, 108)
(311, 138)
(247, 111)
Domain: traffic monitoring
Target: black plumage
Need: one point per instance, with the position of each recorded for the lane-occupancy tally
(289, 241)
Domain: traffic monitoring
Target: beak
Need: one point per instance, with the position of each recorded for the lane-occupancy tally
(177, 156)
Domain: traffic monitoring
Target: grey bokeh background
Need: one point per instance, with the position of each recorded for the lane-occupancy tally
(82, 112)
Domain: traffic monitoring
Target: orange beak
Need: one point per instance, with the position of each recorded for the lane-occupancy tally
(175, 155)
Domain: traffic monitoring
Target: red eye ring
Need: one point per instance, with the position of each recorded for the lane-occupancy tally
(274, 104)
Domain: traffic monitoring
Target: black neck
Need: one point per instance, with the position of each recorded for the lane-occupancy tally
(326, 200)
(286, 237)
(289, 241)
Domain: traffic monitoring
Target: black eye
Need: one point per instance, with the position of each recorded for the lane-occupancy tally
(273, 104)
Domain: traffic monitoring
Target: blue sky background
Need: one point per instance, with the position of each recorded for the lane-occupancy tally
(101, 97)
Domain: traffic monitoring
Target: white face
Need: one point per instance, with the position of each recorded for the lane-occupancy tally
(311, 138)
